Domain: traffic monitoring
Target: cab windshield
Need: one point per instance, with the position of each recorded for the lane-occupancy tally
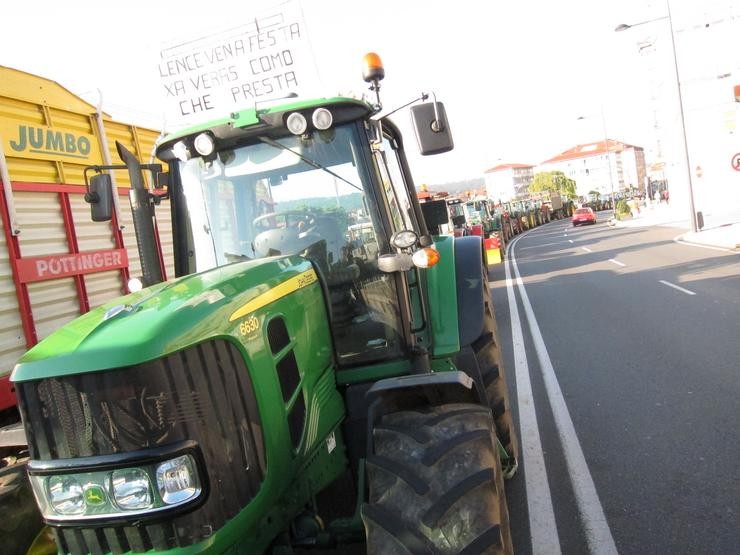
(309, 196)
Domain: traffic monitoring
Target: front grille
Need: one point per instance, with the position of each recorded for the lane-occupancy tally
(203, 393)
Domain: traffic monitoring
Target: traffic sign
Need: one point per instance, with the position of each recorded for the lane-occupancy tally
(736, 162)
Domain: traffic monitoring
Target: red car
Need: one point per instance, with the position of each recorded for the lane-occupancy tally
(583, 216)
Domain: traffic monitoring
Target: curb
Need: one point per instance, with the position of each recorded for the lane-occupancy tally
(726, 245)
(705, 239)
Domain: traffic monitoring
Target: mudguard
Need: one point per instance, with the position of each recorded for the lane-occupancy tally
(408, 392)
(469, 274)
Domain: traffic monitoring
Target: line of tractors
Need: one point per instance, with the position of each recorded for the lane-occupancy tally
(496, 223)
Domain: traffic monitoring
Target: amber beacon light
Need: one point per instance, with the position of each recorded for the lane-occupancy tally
(372, 68)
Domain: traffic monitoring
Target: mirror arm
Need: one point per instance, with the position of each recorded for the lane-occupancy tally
(437, 123)
(422, 98)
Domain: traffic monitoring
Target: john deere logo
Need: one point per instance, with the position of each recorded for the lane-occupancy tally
(94, 495)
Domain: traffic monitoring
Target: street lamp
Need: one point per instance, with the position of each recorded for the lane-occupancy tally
(624, 27)
(608, 158)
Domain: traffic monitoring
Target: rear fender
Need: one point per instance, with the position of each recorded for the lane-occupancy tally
(418, 390)
(469, 275)
(443, 313)
(366, 402)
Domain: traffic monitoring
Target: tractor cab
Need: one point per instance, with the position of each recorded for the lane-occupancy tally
(307, 193)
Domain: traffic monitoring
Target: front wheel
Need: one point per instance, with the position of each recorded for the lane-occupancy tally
(436, 484)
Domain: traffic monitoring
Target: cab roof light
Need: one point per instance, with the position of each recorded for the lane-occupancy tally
(204, 144)
(297, 123)
(321, 119)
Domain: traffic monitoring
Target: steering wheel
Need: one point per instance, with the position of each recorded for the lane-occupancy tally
(288, 232)
(289, 218)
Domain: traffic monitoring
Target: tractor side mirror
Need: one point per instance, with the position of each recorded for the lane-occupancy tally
(100, 197)
(431, 128)
(162, 180)
(435, 214)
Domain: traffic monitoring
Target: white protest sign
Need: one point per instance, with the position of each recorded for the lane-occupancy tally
(266, 57)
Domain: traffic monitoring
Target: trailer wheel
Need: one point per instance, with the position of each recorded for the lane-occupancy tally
(436, 484)
(487, 352)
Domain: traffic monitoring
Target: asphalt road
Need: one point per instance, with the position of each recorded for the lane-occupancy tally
(630, 403)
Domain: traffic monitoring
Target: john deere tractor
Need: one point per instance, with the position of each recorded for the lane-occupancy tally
(321, 370)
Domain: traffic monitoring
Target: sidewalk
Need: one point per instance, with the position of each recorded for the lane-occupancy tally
(721, 230)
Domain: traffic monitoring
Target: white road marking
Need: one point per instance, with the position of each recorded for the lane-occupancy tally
(587, 249)
(541, 245)
(617, 262)
(596, 528)
(677, 287)
(542, 526)
(570, 240)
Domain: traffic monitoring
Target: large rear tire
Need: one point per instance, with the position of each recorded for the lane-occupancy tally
(436, 484)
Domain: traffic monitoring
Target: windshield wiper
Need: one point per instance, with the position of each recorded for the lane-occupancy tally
(307, 160)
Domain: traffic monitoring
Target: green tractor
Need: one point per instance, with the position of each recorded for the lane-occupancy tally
(321, 371)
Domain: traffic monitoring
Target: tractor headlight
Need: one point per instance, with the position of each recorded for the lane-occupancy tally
(65, 495)
(177, 480)
(69, 494)
(131, 489)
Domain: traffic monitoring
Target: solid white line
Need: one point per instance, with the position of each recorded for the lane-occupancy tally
(587, 249)
(542, 526)
(596, 528)
(617, 262)
(676, 287)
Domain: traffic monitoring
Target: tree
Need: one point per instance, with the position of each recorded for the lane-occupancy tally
(553, 181)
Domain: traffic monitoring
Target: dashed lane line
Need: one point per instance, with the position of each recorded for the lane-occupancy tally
(587, 249)
(617, 262)
(676, 287)
(540, 245)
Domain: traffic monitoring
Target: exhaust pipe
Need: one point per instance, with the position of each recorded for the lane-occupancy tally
(142, 208)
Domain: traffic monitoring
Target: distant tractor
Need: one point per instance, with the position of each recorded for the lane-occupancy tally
(321, 371)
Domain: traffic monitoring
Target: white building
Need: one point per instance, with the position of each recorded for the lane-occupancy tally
(707, 59)
(508, 181)
(602, 166)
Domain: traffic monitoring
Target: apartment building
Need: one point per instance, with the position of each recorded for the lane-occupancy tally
(508, 181)
(602, 166)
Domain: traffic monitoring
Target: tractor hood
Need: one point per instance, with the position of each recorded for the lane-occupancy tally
(158, 320)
